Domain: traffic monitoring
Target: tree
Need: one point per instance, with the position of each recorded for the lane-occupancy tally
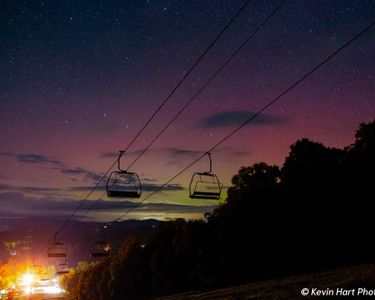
(361, 158)
(311, 164)
(10, 272)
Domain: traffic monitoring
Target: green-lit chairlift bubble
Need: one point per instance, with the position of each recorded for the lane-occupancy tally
(57, 249)
(123, 184)
(205, 185)
(100, 249)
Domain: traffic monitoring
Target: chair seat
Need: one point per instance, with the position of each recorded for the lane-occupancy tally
(62, 272)
(124, 194)
(205, 195)
(56, 255)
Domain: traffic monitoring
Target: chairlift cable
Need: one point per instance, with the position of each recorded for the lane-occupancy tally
(226, 62)
(196, 62)
(260, 111)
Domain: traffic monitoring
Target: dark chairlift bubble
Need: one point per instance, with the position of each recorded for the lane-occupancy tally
(205, 185)
(62, 268)
(57, 249)
(100, 249)
(123, 184)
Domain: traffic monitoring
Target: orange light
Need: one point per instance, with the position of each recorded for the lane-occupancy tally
(27, 279)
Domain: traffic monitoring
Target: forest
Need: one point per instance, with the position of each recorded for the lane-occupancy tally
(313, 213)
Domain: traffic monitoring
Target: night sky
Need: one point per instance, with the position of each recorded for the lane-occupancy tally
(78, 79)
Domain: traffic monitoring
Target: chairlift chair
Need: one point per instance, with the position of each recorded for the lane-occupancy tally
(57, 249)
(62, 269)
(205, 185)
(123, 184)
(100, 249)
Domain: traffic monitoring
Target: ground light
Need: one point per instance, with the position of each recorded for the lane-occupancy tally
(26, 282)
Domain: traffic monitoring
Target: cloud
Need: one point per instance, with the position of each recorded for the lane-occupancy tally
(19, 204)
(72, 171)
(236, 117)
(156, 207)
(149, 187)
(146, 187)
(18, 201)
(32, 158)
(5, 187)
(148, 179)
(177, 153)
(36, 191)
(107, 154)
(69, 192)
(110, 154)
(32, 189)
(79, 171)
(178, 157)
(63, 168)
(183, 152)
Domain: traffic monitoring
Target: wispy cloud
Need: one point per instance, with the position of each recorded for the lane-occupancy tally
(63, 168)
(177, 153)
(37, 191)
(16, 203)
(156, 207)
(146, 187)
(236, 117)
(180, 152)
(110, 154)
(78, 171)
(32, 158)
(178, 157)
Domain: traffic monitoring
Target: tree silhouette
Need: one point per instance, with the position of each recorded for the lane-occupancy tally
(306, 216)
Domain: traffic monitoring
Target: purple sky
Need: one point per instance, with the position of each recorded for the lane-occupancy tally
(78, 79)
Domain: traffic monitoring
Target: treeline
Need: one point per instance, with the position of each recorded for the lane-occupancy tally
(314, 212)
